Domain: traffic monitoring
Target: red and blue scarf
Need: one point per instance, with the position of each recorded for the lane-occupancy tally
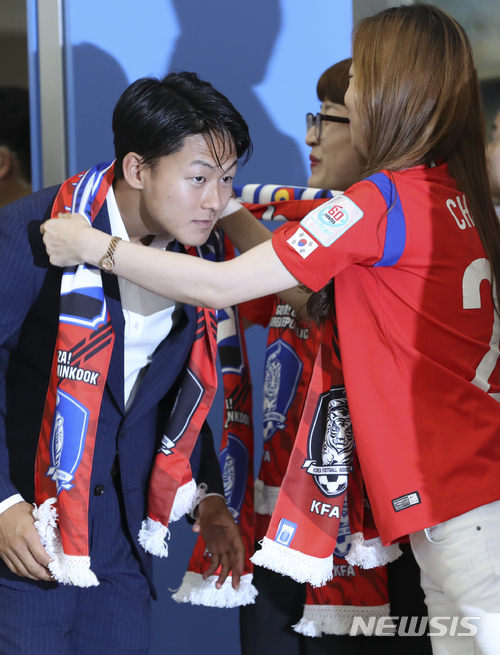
(347, 590)
(236, 462)
(312, 500)
(70, 422)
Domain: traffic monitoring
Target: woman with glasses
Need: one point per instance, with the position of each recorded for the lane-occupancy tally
(334, 162)
(414, 249)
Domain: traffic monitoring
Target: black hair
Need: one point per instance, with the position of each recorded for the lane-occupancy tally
(15, 125)
(153, 117)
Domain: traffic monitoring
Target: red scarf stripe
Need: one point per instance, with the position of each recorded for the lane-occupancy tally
(237, 436)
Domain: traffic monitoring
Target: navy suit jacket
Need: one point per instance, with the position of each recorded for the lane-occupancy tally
(29, 302)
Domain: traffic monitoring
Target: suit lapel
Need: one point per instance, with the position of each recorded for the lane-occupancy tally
(168, 361)
(116, 372)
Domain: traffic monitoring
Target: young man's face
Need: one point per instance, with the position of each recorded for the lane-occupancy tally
(184, 194)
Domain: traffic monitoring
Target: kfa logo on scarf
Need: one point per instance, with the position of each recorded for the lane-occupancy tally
(66, 454)
(331, 442)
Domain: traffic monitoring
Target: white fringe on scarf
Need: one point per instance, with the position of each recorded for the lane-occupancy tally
(335, 619)
(369, 554)
(265, 498)
(66, 569)
(197, 591)
(153, 535)
(299, 566)
(187, 497)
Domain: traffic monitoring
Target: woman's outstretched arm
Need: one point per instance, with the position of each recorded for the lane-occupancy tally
(246, 232)
(191, 280)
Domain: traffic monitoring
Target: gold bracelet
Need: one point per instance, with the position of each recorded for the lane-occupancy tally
(107, 263)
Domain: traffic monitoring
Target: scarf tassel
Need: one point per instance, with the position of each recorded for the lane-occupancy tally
(265, 498)
(66, 569)
(153, 535)
(187, 497)
(335, 619)
(299, 566)
(197, 591)
(367, 554)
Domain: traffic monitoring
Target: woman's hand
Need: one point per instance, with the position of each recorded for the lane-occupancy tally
(64, 239)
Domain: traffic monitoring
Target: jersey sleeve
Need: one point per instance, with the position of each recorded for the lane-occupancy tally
(346, 230)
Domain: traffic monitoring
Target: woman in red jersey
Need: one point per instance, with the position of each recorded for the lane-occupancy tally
(292, 346)
(415, 252)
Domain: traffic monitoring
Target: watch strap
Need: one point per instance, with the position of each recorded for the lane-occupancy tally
(107, 262)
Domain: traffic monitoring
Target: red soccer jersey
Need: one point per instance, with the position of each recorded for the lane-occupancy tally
(418, 337)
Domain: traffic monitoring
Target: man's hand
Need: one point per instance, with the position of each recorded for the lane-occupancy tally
(222, 538)
(20, 545)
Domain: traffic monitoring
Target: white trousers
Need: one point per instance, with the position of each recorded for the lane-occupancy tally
(460, 574)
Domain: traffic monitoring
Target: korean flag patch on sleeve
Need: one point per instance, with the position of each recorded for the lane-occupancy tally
(302, 243)
(328, 222)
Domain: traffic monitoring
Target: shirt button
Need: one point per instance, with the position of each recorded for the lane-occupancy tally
(99, 490)
(136, 326)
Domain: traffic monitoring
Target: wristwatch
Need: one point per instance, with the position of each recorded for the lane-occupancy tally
(107, 262)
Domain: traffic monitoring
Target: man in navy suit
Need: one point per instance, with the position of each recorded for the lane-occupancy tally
(177, 144)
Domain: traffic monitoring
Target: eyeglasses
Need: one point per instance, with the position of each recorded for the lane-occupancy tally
(316, 120)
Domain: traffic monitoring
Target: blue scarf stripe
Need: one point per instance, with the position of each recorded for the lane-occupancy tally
(266, 193)
(87, 189)
(80, 288)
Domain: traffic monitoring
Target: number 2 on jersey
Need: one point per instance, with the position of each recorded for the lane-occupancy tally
(475, 273)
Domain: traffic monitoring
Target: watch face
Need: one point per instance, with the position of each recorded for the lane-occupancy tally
(107, 264)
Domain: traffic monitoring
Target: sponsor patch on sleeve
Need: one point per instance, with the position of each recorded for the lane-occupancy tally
(302, 243)
(328, 222)
(286, 532)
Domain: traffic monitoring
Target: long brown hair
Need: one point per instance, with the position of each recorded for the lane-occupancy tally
(417, 94)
